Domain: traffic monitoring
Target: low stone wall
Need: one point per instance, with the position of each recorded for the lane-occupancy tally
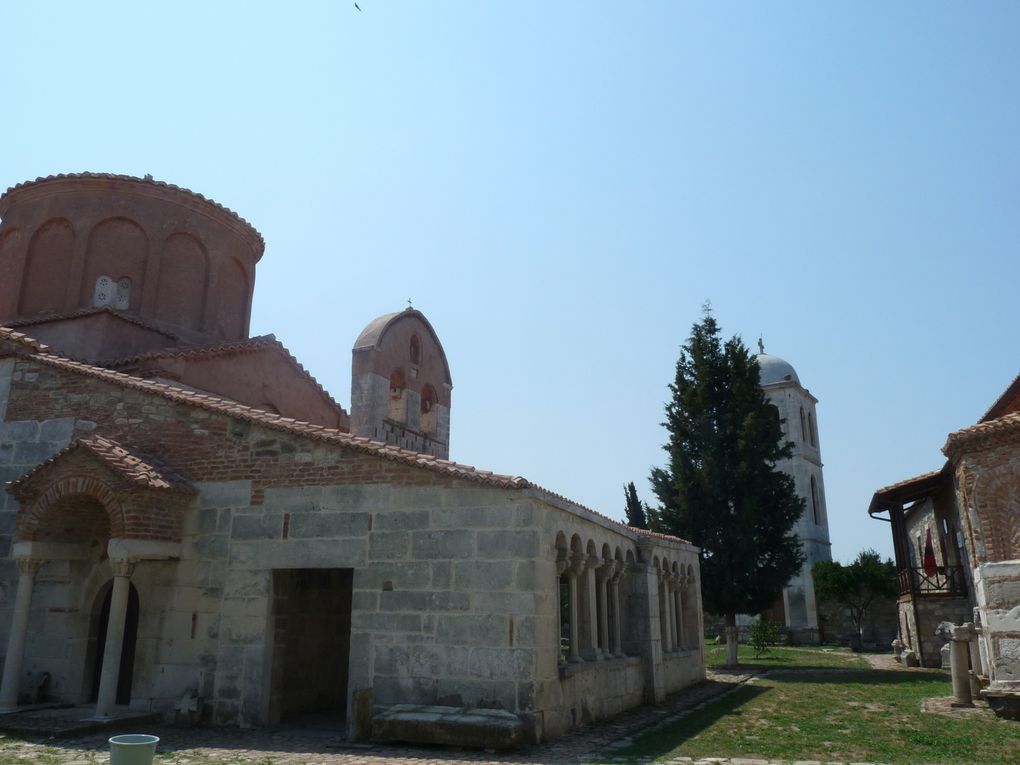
(932, 610)
(593, 690)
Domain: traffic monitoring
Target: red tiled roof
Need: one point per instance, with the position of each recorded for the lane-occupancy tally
(307, 430)
(1005, 399)
(130, 467)
(89, 312)
(249, 345)
(982, 432)
(147, 180)
(907, 490)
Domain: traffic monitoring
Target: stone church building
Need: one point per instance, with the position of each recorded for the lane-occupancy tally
(190, 518)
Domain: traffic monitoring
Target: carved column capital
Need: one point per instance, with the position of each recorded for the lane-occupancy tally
(122, 567)
(577, 563)
(561, 563)
(29, 566)
(617, 570)
(594, 562)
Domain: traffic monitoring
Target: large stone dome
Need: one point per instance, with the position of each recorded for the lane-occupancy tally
(776, 371)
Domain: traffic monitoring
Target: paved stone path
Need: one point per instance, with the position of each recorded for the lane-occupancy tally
(297, 746)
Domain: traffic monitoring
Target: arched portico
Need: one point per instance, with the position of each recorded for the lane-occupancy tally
(97, 504)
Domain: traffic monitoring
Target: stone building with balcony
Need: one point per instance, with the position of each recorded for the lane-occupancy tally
(191, 519)
(930, 560)
(956, 535)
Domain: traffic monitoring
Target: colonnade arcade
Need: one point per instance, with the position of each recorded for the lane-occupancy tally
(105, 524)
(594, 592)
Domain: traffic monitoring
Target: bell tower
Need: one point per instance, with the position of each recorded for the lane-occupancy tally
(796, 408)
(400, 384)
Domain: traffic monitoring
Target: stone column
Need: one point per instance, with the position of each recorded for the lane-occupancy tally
(665, 615)
(614, 583)
(561, 567)
(576, 567)
(591, 630)
(976, 670)
(678, 609)
(959, 658)
(122, 571)
(602, 586)
(646, 621)
(19, 631)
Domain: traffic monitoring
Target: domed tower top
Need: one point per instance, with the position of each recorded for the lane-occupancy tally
(401, 384)
(135, 247)
(775, 371)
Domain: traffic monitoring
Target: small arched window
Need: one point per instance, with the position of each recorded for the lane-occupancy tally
(398, 403)
(811, 429)
(415, 350)
(814, 502)
(429, 409)
(803, 426)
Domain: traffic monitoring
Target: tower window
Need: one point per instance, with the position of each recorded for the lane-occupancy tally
(803, 426)
(811, 429)
(814, 502)
(429, 408)
(398, 404)
(415, 350)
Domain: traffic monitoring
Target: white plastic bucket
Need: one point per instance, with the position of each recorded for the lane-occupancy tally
(133, 749)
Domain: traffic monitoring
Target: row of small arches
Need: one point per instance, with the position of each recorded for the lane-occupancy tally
(117, 249)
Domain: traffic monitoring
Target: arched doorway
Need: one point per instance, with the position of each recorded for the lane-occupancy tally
(97, 643)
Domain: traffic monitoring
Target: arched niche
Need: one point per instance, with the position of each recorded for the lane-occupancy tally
(183, 280)
(49, 262)
(118, 250)
(10, 267)
(231, 300)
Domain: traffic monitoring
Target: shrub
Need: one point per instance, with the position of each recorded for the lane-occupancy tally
(763, 634)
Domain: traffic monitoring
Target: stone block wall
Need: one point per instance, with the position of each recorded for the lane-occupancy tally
(931, 610)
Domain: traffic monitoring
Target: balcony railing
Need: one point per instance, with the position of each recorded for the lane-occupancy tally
(945, 580)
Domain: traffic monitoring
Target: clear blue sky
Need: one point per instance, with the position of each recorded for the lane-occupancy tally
(560, 186)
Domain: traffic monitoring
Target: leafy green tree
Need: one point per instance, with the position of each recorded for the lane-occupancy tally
(636, 510)
(721, 488)
(857, 585)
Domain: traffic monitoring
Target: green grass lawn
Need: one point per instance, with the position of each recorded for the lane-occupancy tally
(870, 715)
(780, 657)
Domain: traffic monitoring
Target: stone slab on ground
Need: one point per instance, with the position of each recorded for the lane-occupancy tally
(451, 726)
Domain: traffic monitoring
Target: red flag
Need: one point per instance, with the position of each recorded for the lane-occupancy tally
(930, 566)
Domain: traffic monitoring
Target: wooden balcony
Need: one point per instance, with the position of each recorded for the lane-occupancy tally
(945, 580)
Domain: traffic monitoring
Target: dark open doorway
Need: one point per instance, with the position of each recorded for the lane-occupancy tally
(311, 645)
(97, 644)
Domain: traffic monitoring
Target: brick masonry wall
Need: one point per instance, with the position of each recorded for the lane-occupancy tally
(201, 445)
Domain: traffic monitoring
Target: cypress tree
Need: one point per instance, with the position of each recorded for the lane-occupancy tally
(721, 488)
(635, 509)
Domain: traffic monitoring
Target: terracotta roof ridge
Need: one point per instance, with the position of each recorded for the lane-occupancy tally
(980, 431)
(132, 467)
(1002, 399)
(248, 345)
(185, 351)
(908, 481)
(20, 338)
(277, 422)
(149, 180)
(603, 516)
(81, 312)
